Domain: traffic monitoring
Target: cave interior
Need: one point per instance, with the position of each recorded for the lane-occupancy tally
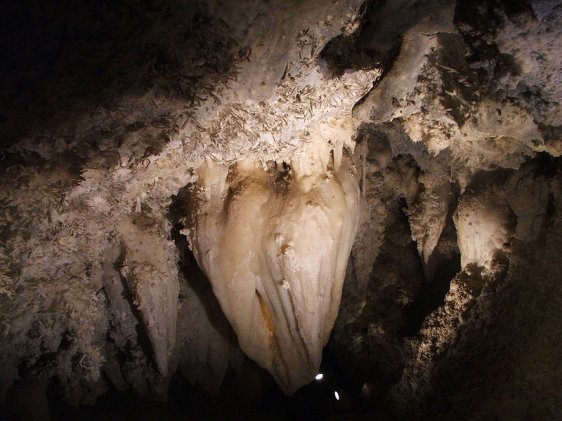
(281, 210)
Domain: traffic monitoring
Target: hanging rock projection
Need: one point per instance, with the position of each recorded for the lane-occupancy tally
(274, 243)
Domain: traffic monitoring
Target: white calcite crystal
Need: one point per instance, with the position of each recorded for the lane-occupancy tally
(274, 242)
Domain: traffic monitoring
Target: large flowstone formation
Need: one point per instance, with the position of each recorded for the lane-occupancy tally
(274, 243)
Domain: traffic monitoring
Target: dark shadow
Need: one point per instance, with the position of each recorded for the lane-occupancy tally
(432, 294)
(479, 19)
(377, 41)
(368, 350)
(61, 60)
(180, 208)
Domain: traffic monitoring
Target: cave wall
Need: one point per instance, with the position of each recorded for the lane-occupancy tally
(461, 176)
(450, 111)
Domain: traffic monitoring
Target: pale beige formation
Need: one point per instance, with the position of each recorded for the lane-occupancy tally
(274, 242)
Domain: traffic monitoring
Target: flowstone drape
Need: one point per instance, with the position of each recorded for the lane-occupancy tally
(274, 243)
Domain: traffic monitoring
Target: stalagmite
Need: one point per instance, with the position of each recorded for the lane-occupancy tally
(274, 243)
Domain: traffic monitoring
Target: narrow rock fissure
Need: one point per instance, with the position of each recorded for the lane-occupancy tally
(432, 291)
(432, 295)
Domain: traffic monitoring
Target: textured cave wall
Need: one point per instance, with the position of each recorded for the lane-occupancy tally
(449, 307)
(452, 299)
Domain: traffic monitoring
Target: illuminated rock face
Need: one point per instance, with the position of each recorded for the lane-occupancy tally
(484, 227)
(274, 243)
